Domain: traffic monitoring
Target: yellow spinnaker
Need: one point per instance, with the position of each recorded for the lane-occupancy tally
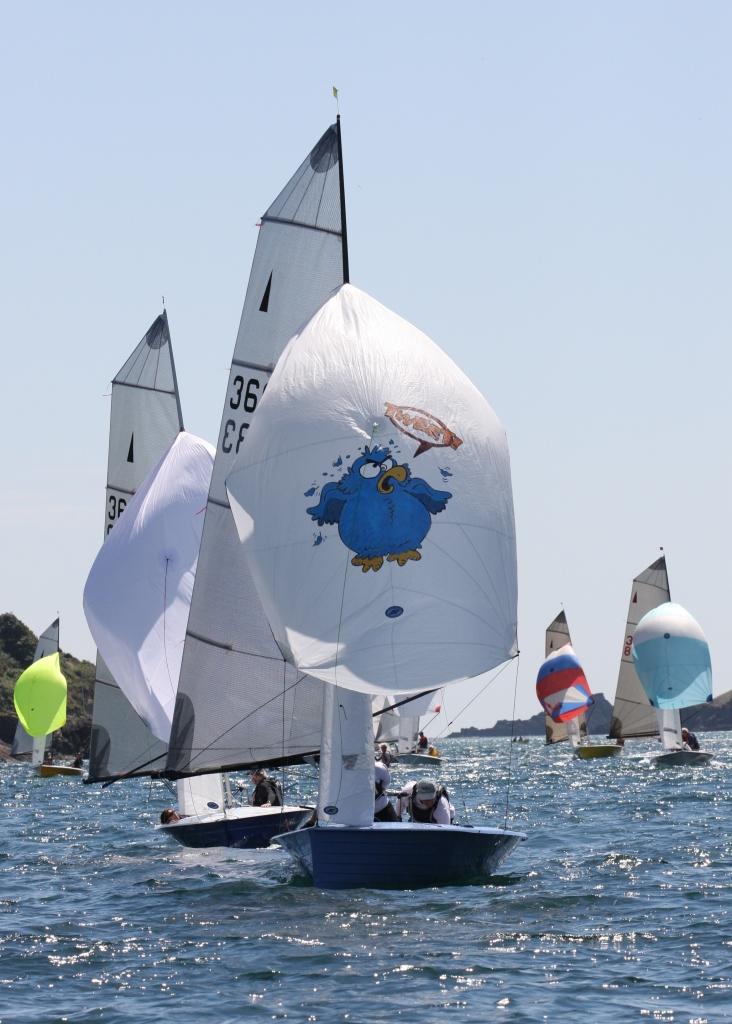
(40, 696)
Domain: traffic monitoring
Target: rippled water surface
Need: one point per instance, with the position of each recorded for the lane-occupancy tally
(617, 908)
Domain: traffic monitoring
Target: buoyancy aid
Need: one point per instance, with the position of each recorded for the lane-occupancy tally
(424, 814)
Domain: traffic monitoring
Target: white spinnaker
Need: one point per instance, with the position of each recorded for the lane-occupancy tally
(145, 417)
(557, 635)
(389, 586)
(138, 593)
(633, 714)
(238, 702)
(22, 742)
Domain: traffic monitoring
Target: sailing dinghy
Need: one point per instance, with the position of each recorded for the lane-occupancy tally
(671, 657)
(564, 693)
(240, 705)
(411, 587)
(634, 716)
(24, 744)
(148, 451)
(398, 727)
(40, 703)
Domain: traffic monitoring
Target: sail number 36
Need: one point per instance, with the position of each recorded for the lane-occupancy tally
(244, 396)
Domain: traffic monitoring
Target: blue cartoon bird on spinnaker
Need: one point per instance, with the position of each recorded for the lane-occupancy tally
(382, 511)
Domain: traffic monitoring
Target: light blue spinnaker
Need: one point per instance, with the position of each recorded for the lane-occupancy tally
(671, 656)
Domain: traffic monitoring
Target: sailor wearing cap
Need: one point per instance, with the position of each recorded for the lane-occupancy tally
(426, 802)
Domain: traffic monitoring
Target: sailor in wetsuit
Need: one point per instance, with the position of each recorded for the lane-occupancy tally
(689, 739)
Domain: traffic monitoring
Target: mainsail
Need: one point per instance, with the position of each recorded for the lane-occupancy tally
(145, 418)
(23, 743)
(633, 715)
(238, 702)
(557, 635)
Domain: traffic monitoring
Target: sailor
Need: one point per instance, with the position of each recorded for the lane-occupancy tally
(48, 758)
(383, 807)
(169, 816)
(384, 755)
(422, 742)
(689, 739)
(78, 761)
(267, 792)
(426, 802)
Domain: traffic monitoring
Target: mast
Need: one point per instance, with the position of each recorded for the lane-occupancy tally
(344, 229)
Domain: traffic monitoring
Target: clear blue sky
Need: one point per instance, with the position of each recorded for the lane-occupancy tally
(544, 188)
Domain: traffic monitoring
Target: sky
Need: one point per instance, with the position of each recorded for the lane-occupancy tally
(544, 189)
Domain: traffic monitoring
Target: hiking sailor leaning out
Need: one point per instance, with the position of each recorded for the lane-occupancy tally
(426, 802)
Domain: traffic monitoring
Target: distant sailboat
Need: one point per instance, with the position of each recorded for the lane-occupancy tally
(557, 635)
(633, 714)
(23, 743)
(402, 724)
(40, 703)
(565, 695)
(671, 656)
(413, 586)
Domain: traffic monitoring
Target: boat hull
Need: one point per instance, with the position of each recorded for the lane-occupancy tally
(426, 760)
(397, 855)
(49, 771)
(681, 758)
(242, 828)
(592, 750)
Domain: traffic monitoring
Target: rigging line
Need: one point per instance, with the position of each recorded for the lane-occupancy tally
(510, 749)
(478, 694)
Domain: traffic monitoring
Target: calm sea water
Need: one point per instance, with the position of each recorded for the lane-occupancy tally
(617, 908)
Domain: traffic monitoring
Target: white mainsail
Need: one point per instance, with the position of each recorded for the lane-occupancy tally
(374, 503)
(145, 418)
(238, 702)
(22, 742)
(633, 715)
(137, 595)
(557, 635)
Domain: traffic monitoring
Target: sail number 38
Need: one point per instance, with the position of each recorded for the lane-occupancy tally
(245, 395)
